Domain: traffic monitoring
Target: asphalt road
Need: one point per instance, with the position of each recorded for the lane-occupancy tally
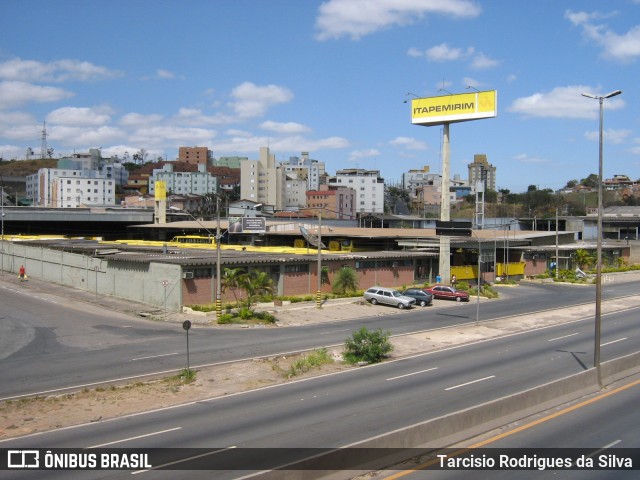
(604, 424)
(339, 409)
(49, 342)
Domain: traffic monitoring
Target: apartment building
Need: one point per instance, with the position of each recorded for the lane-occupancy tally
(195, 155)
(482, 171)
(62, 188)
(262, 181)
(200, 182)
(331, 202)
(368, 187)
(305, 168)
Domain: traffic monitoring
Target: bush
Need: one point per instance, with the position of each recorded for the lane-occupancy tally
(346, 280)
(366, 346)
(486, 291)
(315, 359)
(463, 286)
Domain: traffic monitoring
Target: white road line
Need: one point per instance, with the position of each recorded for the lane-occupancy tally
(560, 338)
(134, 438)
(613, 341)
(414, 373)
(154, 356)
(604, 448)
(334, 331)
(214, 452)
(469, 383)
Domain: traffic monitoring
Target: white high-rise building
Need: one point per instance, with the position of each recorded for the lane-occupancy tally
(262, 181)
(368, 186)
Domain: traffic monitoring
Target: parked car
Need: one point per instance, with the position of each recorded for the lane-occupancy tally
(448, 293)
(388, 296)
(422, 298)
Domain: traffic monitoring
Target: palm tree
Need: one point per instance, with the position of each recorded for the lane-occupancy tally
(255, 283)
(346, 281)
(231, 280)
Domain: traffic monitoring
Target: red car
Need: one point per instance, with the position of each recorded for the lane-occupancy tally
(447, 293)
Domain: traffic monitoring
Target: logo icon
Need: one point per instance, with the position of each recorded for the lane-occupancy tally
(23, 458)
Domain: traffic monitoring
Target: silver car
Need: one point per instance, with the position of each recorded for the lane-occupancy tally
(388, 296)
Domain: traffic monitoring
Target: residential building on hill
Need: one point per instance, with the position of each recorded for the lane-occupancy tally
(332, 202)
(368, 186)
(200, 182)
(263, 181)
(195, 155)
(480, 170)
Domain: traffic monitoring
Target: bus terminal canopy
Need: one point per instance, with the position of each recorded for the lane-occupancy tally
(452, 108)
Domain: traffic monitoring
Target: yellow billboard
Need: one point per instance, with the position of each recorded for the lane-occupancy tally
(459, 107)
(160, 191)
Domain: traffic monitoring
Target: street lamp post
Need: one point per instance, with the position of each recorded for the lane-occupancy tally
(598, 319)
(218, 261)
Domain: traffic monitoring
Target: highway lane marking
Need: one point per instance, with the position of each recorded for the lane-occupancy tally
(334, 331)
(613, 341)
(414, 373)
(154, 356)
(471, 382)
(565, 336)
(135, 438)
(521, 428)
(214, 452)
(604, 448)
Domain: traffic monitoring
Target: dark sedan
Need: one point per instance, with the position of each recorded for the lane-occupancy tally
(448, 293)
(422, 298)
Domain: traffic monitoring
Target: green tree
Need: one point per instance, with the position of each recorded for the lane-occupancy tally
(231, 279)
(346, 280)
(584, 258)
(255, 283)
(366, 346)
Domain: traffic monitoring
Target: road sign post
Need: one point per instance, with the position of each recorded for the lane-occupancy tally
(187, 325)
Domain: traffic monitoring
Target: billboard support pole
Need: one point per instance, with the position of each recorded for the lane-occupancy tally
(445, 207)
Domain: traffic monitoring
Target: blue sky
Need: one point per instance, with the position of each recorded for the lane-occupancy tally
(329, 77)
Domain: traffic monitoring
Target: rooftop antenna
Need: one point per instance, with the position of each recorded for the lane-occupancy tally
(43, 141)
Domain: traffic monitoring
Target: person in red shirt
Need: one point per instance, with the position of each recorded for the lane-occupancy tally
(23, 273)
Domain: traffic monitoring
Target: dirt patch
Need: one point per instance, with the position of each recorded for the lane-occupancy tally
(31, 415)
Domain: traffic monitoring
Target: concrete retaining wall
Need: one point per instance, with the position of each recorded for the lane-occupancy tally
(139, 282)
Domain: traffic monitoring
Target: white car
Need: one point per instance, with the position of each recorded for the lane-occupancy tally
(388, 296)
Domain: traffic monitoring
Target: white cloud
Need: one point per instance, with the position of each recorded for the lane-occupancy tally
(288, 127)
(250, 145)
(357, 18)
(80, 116)
(445, 53)
(408, 143)
(252, 100)
(562, 102)
(58, 71)
(622, 47)
(524, 158)
(137, 119)
(194, 116)
(358, 154)
(14, 93)
(609, 135)
(74, 136)
(162, 73)
(156, 136)
(481, 61)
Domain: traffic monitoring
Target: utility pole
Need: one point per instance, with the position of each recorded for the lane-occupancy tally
(318, 293)
(218, 261)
